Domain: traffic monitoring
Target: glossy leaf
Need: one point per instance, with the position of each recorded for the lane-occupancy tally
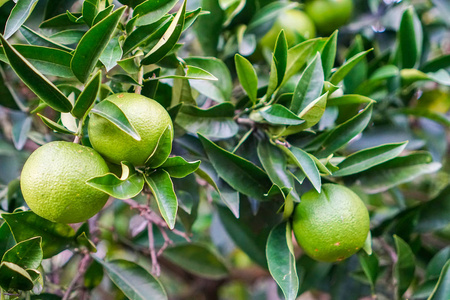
(404, 267)
(214, 122)
(442, 289)
(88, 96)
(238, 172)
(133, 280)
(281, 260)
(129, 185)
(409, 38)
(349, 100)
(39, 84)
(197, 259)
(61, 21)
(229, 196)
(178, 167)
(278, 65)
(93, 44)
(343, 133)
(114, 114)
(279, 115)
(8, 97)
(111, 54)
(309, 86)
(13, 277)
(37, 39)
(247, 76)
(367, 158)
(20, 131)
(370, 266)
(162, 189)
(151, 11)
(6, 239)
(329, 54)
(26, 254)
(55, 126)
(18, 16)
(56, 237)
(191, 72)
(168, 40)
(103, 14)
(90, 10)
(343, 70)
(207, 27)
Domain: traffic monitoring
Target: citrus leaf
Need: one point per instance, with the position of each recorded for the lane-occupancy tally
(111, 54)
(61, 21)
(90, 10)
(151, 11)
(348, 100)
(409, 39)
(367, 158)
(191, 72)
(178, 167)
(13, 277)
(247, 76)
(103, 14)
(6, 239)
(281, 260)
(114, 114)
(37, 39)
(88, 96)
(168, 40)
(133, 280)
(56, 237)
(238, 172)
(21, 128)
(309, 86)
(162, 149)
(229, 196)
(84, 241)
(26, 254)
(343, 70)
(197, 259)
(442, 289)
(93, 44)
(162, 189)
(370, 266)
(404, 267)
(39, 84)
(329, 54)
(279, 115)
(207, 27)
(425, 113)
(18, 16)
(55, 126)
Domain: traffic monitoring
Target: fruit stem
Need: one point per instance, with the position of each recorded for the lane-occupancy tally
(76, 140)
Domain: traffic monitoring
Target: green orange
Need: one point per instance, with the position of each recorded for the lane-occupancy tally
(329, 15)
(332, 225)
(53, 182)
(148, 118)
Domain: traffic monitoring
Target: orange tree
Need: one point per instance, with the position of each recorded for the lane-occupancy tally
(210, 142)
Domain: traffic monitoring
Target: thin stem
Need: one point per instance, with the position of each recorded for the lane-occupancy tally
(2, 295)
(76, 140)
(156, 269)
(82, 268)
(138, 89)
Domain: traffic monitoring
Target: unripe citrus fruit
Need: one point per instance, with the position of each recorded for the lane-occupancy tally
(329, 15)
(53, 182)
(148, 118)
(332, 225)
(295, 23)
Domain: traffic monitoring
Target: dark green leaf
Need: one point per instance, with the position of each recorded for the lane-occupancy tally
(13, 277)
(229, 196)
(404, 267)
(178, 167)
(278, 65)
(151, 11)
(88, 96)
(162, 189)
(26, 254)
(247, 76)
(329, 54)
(343, 70)
(39, 84)
(367, 158)
(279, 115)
(55, 126)
(238, 172)
(114, 114)
(56, 237)
(197, 259)
(61, 21)
(162, 149)
(103, 14)
(409, 38)
(436, 264)
(90, 10)
(207, 27)
(18, 16)
(358, 75)
(8, 97)
(20, 131)
(133, 280)
(425, 113)
(37, 39)
(281, 260)
(442, 289)
(434, 214)
(111, 54)
(93, 44)
(370, 266)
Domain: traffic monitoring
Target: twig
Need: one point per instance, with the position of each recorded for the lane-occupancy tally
(82, 268)
(156, 269)
(76, 140)
(140, 78)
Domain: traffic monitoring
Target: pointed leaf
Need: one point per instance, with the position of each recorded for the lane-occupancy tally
(162, 189)
(229, 196)
(281, 260)
(26, 254)
(114, 114)
(93, 44)
(55, 126)
(178, 167)
(348, 100)
(370, 266)
(88, 96)
(329, 54)
(151, 11)
(247, 76)
(162, 149)
(404, 267)
(191, 72)
(278, 65)
(279, 115)
(442, 289)
(409, 38)
(111, 54)
(343, 70)
(39, 84)
(37, 39)
(13, 277)
(18, 16)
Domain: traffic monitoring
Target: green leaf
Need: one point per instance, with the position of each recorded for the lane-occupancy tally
(404, 267)
(133, 280)
(56, 237)
(13, 278)
(349, 100)
(93, 44)
(88, 96)
(279, 115)
(229, 196)
(18, 16)
(278, 65)
(281, 260)
(434, 214)
(358, 75)
(329, 54)
(197, 259)
(425, 113)
(343, 70)
(436, 264)
(20, 131)
(191, 72)
(90, 10)
(162, 149)
(26, 254)
(396, 171)
(346, 131)
(367, 158)
(6, 239)
(370, 266)
(84, 241)
(129, 185)
(114, 114)
(442, 289)
(37, 39)
(111, 54)
(48, 61)
(61, 21)
(168, 40)
(309, 86)
(8, 97)
(39, 84)
(151, 11)
(409, 39)
(247, 76)
(103, 14)
(219, 90)
(216, 121)
(305, 163)
(178, 167)
(207, 27)
(55, 126)
(239, 173)
(162, 189)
